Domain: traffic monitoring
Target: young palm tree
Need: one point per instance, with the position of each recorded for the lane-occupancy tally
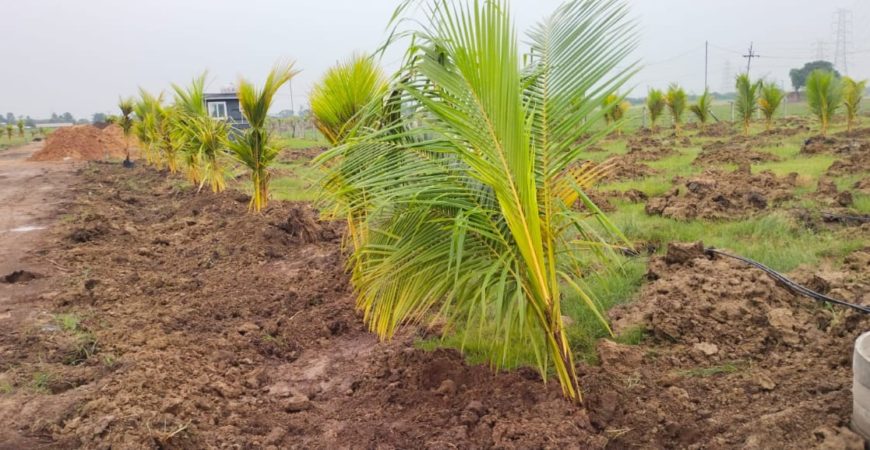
(208, 138)
(853, 95)
(20, 125)
(615, 108)
(9, 130)
(676, 100)
(253, 149)
(460, 202)
(144, 124)
(655, 103)
(746, 103)
(824, 96)
(189, 106)
(770, 100)
(126, 122)
(701, 109)
(338, 99)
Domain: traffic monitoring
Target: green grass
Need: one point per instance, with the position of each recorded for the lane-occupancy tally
(42, 382)
(16, 140)
(298, 181)
(68, 322)
(774, 240)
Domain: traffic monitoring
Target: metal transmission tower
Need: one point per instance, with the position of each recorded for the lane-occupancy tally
(843, 38)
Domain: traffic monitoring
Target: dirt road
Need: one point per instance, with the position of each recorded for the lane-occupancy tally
(30, 196)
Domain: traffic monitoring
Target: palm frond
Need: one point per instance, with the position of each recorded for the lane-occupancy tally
(338, 100)
(746, 103)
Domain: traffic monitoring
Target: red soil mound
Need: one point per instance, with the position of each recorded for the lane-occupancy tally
(83, 143)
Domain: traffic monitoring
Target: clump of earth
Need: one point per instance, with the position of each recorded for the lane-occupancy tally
(716, 194)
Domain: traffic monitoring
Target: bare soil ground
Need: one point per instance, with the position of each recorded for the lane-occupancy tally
(717, 194)
(31, 194)
(200, 325)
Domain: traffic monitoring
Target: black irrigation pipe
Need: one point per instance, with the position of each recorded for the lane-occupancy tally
(789, 284)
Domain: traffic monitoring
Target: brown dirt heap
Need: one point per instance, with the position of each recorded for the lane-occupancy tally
(84, 143)
(731, 359)
(723, 195)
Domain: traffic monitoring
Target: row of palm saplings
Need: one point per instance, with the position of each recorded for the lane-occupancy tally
(826, 94)
(182, 136)
(10, 129)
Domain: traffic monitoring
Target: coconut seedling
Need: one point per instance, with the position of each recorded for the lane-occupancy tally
(20, 125)
(853, 95)
(655, 104)
(208, 138)
(338, 99)
(701, 108)
(615, 108)
(253, 148)
(769, 101)
(824, 96)
(676, 99)
(189, 106)
(9, 130)
(465, 194)
(143, 125)
(126, 122)
(746, 103)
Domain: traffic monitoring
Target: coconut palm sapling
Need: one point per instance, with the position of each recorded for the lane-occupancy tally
(189, 106)
(824, 97)
(125, 121)
(853, 95)
(655, 104)
(701, 109)
(746, 102)
(769, 102)
(463, 195)
(676, 100)
(253, 148)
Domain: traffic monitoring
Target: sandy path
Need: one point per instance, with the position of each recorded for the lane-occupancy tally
(30, 196)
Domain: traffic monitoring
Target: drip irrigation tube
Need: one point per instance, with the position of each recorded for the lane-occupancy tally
(789, 284)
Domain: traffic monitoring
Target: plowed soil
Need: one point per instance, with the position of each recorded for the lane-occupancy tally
(732, 360)
(737, 150)
(203, 326)
(717, 194)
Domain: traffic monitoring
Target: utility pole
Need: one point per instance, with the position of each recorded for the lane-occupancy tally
(843, 38)
(749, 57)
(706, 63)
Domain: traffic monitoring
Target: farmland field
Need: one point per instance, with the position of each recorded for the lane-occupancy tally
(171, 318)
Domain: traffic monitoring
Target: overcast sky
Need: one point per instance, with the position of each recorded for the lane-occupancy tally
(80, 55)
